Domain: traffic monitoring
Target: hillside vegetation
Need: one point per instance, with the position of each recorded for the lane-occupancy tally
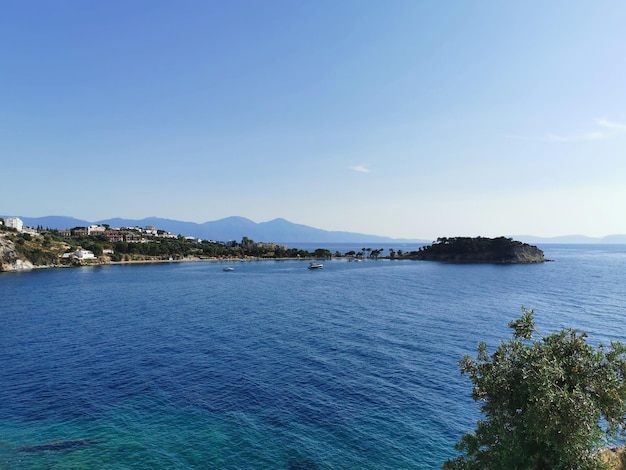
(20, 251)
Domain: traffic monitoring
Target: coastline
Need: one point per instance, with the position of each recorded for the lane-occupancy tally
(198, 259)
(98, 263)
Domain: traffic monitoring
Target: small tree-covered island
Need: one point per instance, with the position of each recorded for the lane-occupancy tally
(499, 250)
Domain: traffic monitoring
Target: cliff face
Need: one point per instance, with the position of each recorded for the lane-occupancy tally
(10, 259)
(499, 250)
(527, 254)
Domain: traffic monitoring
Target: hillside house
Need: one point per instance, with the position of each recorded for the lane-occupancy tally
(14, 222)
(79, 254)
(132, 237)
(84, 254)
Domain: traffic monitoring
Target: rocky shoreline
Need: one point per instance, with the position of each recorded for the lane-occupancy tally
(12, 261)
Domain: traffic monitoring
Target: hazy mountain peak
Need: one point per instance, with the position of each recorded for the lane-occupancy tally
(278, 230)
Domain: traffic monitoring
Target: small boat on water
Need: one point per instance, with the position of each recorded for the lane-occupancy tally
(314, 265)
(228, 268)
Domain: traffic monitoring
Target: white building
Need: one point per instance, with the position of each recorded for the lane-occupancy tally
(79, 254)
(14, 222)
(84, 254)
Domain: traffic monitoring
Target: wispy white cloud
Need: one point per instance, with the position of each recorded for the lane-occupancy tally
(360, 169)
(597, 135)
(611, 125)
(604, 129)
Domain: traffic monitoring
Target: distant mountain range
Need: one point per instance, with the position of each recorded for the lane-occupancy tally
(572, 239)
(277, 231)
(231, 228)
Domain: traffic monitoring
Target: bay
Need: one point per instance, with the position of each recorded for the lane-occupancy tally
(270, 366)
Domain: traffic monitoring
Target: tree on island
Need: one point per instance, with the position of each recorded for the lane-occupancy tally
(548, 403)
(322, 253)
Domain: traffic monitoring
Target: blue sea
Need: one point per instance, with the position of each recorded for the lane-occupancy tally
(272, 365)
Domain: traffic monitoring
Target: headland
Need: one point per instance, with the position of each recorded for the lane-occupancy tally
(500, 250)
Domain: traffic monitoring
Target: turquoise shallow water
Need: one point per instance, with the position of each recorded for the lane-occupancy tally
(270, 366)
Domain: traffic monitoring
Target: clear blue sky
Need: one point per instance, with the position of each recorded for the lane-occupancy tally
(412, 119)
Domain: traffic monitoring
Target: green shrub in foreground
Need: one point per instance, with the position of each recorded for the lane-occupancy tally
(547, 403)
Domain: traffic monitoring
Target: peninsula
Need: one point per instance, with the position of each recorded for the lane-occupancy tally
(500, 250)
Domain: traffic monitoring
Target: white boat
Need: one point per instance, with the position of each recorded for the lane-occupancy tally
(314, 265)
(228, 268)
